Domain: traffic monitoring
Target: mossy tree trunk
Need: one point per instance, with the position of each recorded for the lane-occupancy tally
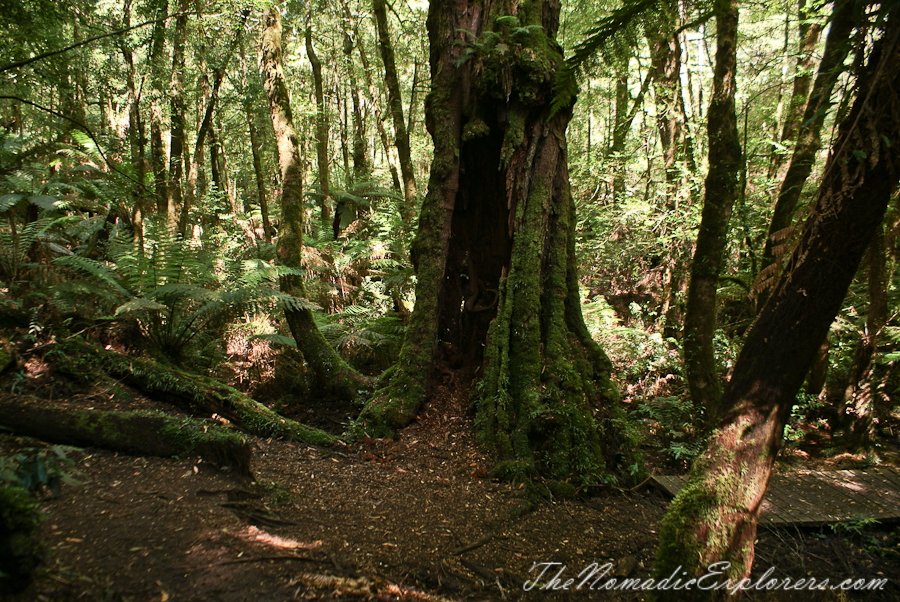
(714, 517)
(333, 375)
(178, 107)
(196, 394)
(497, 285)
(722, 187)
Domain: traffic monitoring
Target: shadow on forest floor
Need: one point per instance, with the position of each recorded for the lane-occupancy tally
(414, 518)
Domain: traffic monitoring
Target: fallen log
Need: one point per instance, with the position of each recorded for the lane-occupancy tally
(143, 433)
(194, 393)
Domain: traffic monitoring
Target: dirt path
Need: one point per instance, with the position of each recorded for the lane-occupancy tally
(409, 519)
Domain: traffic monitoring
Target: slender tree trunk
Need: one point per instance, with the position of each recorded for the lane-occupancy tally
(808, 142)
(809, 39)
(255, 148)
(620, 133)
(157, 151)
(334, 375)
(722, 188)
(321, 127)
(395, 103)
(178, 106)
(714, 517)
(497, 282)
(361, 169)
(373, 99)
(865, 398)
(665, 60)
(136, 139)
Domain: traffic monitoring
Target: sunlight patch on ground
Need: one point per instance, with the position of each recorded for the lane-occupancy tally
(285, 543)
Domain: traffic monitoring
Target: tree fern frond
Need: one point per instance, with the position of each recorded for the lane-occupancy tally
(610, 37)
(277, 339)
(94, 268)
(138, 305)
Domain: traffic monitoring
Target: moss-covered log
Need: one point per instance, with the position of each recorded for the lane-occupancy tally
(713, 519)
(497, 283)
(195, 393)
(141, 433)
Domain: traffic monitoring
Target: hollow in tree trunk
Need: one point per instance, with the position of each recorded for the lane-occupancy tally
(713, 519)
(497, 284)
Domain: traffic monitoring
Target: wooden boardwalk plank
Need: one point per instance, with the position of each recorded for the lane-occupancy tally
(815, 498)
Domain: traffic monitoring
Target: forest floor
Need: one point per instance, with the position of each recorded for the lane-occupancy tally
(413, 518)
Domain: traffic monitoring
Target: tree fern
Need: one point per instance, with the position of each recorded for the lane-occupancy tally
(611, 37)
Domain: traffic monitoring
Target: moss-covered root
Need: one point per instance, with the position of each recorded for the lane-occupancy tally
(333, 376)
(713, 519)
(20, 551)
(195, 393)
(138, 432)
(394, 404)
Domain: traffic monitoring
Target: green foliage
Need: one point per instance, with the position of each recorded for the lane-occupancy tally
(20, 550)
(672, 424)
(172, 288)
(38, 469)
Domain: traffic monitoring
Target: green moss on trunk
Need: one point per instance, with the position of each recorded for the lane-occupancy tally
(132, 432)
(195, 393)
(497, 293)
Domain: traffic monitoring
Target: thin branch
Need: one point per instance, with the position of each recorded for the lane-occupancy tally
(80, 125)
(41, 57)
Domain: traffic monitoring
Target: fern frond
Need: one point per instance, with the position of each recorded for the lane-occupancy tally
(93, 268)
(277, 339)
(610, 37)
(139, 305)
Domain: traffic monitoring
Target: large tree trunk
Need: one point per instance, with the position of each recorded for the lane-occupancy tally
(497, 285)
(722, 186)
(333, 374)
(714, 517)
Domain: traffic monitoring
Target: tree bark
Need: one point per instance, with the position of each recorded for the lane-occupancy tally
(373, 99)
(132, 432)
(497, 284)
(157, 151)
(255, 148)
(174, 198)
(136, 139)
(808, 142)
(322, 163)
(395, 104)
(194, 393)
(714, 517)
(333, 374)
(809, 39)
(722, 188)
(866, 397)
